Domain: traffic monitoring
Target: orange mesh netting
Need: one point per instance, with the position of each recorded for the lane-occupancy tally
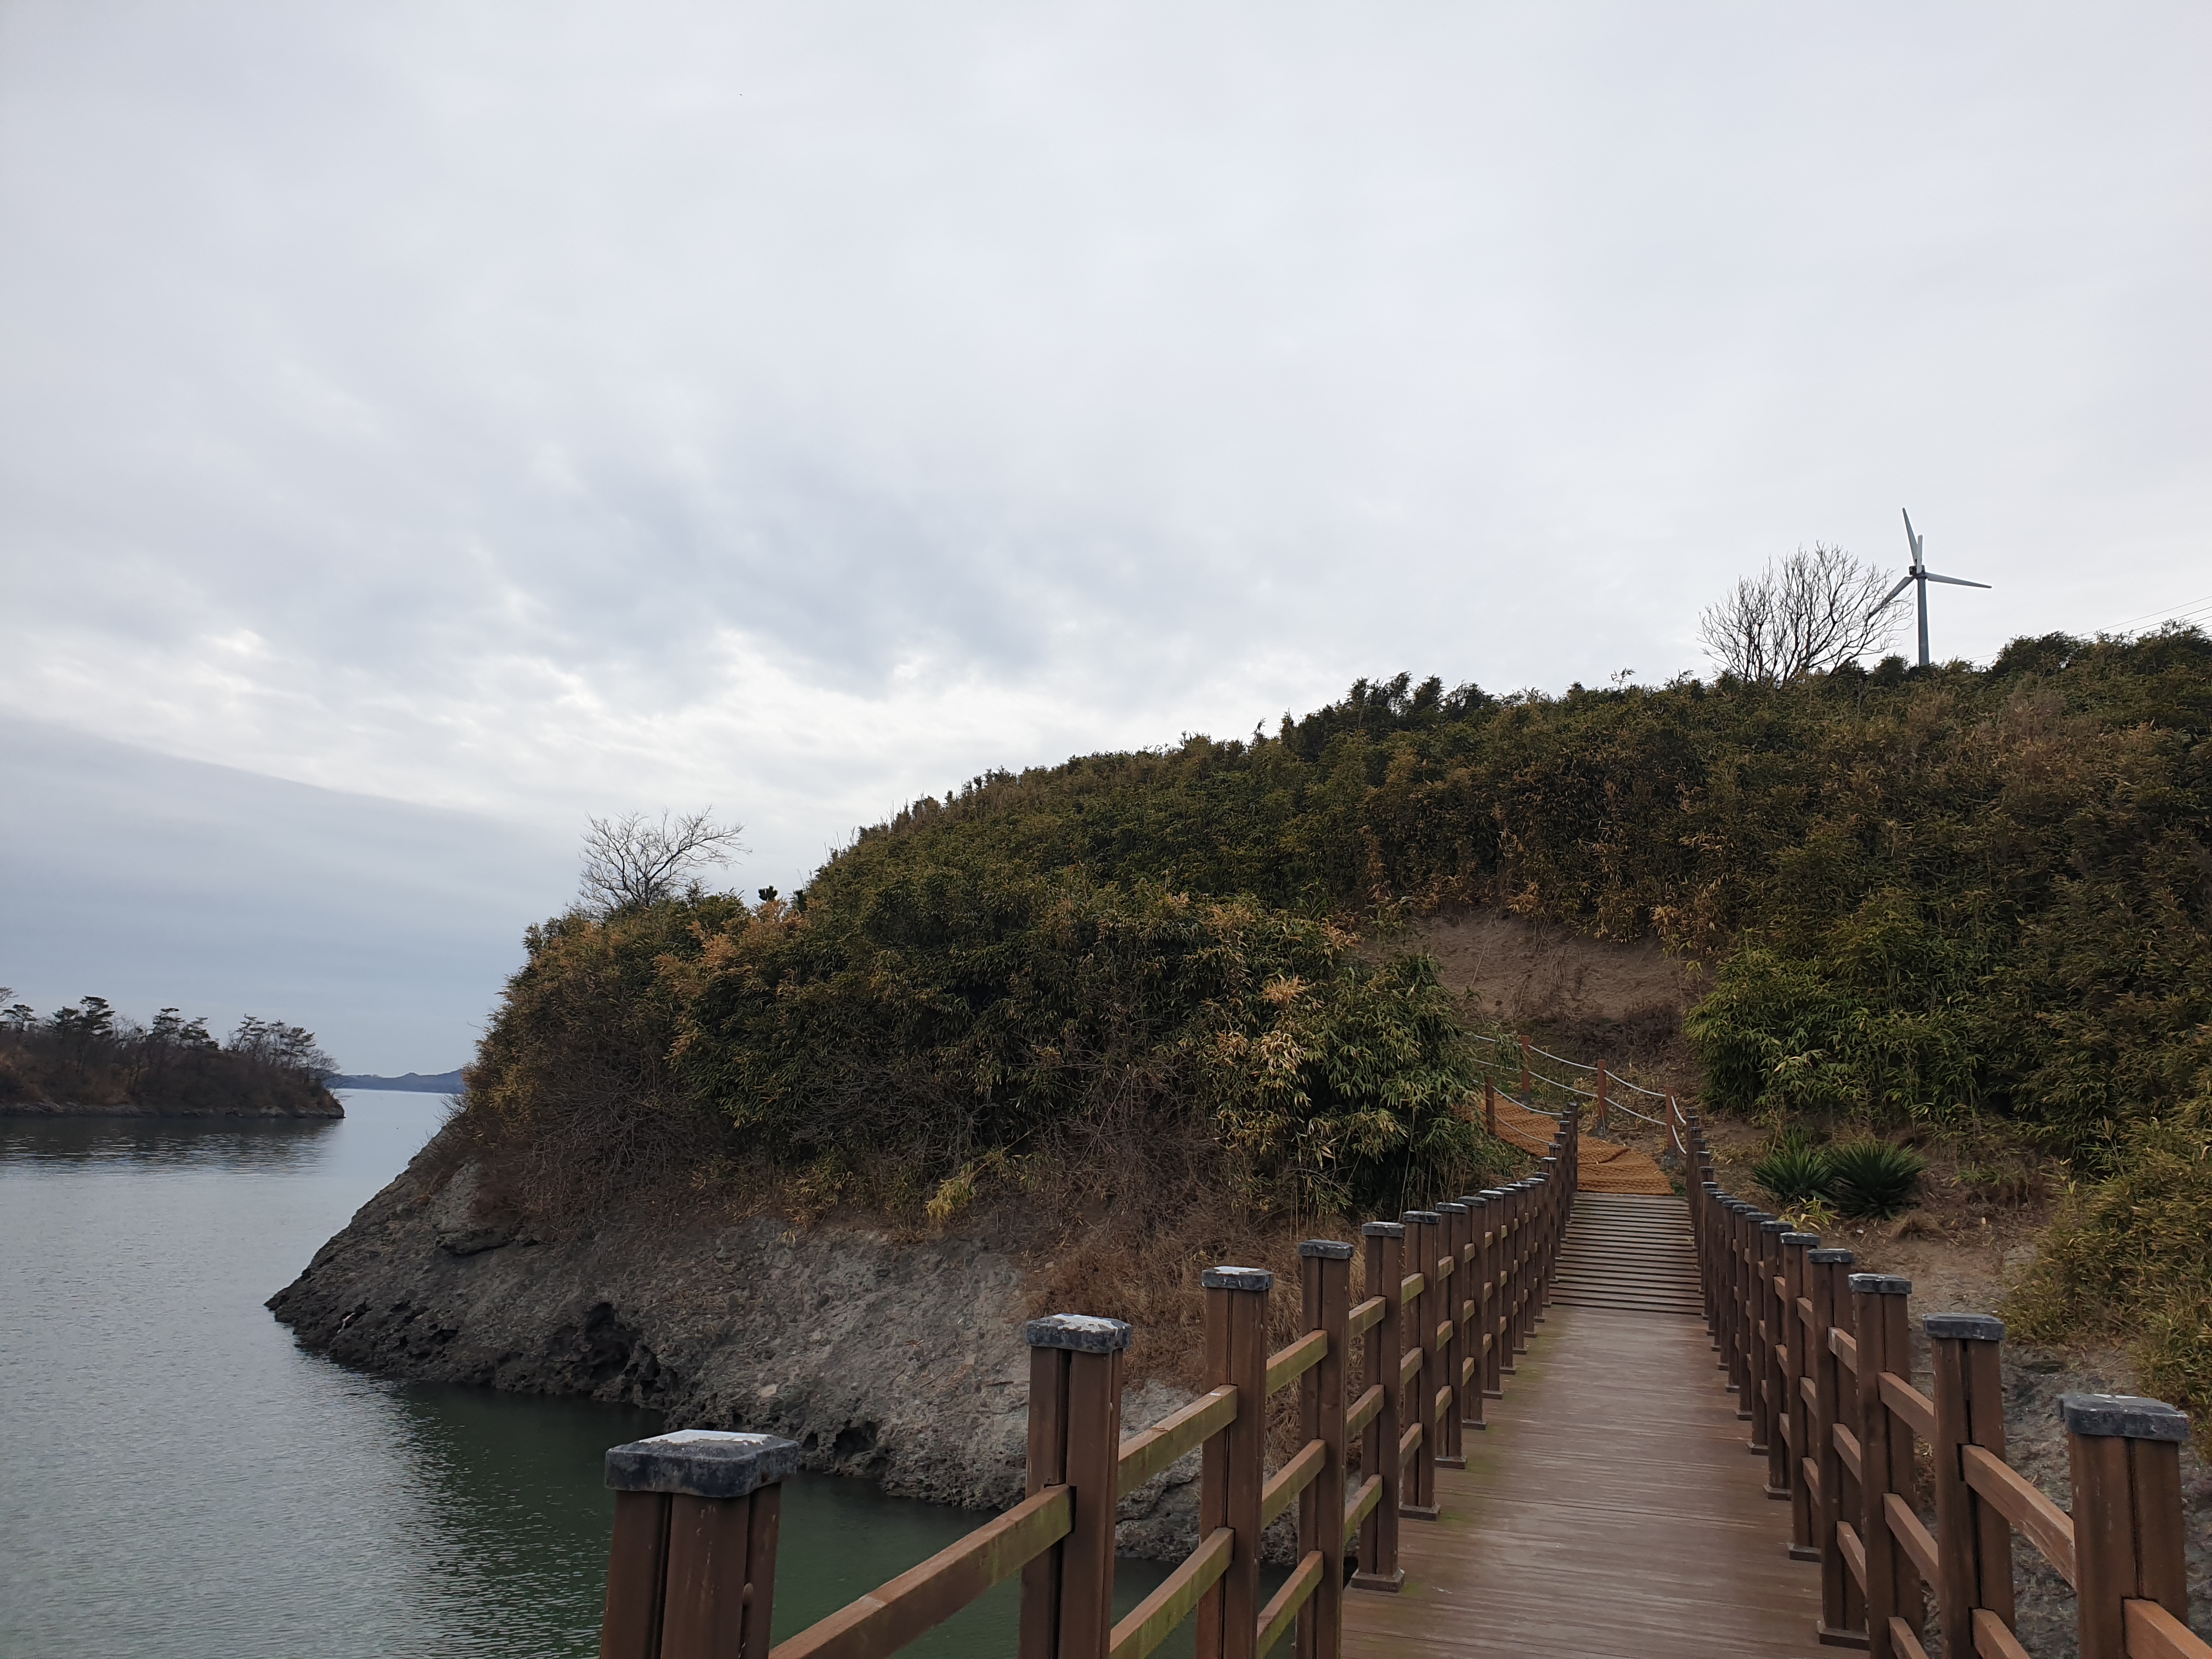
(1607, 1167)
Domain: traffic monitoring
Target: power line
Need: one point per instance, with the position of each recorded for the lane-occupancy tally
(2193, 607)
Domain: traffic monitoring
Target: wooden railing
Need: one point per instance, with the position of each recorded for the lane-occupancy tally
(1819, 1359)
(1449, 1296)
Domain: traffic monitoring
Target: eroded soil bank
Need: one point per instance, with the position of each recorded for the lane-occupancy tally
(895, 1358)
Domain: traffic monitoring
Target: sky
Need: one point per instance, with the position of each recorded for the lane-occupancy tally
(423, 425)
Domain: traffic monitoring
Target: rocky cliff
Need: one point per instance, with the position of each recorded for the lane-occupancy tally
(897, 1359)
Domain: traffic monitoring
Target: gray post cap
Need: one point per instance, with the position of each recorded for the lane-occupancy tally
(1801, 1238)
(701, 1463)
(1079, 1333)
(1237, 1278)
(1454, 1208)
(1421, 1218)
(1881, 1285)
(1472, 1200)
(1972, 1327)
(2127, 1415)
(1713, 1187)
(1493, 1192)
(1774, 1226)
(1831, 1258)
(1328, 1249)
(1384, 1229)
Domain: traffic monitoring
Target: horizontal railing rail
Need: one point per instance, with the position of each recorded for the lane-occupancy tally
(1817, 1357)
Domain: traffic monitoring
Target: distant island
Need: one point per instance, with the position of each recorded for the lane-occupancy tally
(421, 1083)
(86, 1060)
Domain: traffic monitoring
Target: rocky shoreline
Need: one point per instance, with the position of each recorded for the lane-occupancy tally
(315, 1112)
(899, 1360)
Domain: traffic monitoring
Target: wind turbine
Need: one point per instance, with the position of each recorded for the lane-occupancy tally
(1920, 574)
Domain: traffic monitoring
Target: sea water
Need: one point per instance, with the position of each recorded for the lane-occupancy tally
(178, 1478)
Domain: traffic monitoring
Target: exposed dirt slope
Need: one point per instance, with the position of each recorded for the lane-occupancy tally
(1519, 972)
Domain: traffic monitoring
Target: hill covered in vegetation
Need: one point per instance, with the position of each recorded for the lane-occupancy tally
(1939, 898)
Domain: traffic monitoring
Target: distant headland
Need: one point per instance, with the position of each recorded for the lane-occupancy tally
(421, 1083)
(87, 1060)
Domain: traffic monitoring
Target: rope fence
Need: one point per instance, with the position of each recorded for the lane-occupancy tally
(1607, 1082)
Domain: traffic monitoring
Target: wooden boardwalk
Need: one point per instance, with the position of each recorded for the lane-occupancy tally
(1612, 1509)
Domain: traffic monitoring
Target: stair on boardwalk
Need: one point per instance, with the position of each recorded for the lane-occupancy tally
(1607, 1167)
(1630, 1252)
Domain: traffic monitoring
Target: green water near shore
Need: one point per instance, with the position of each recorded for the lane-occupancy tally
(178, 1477)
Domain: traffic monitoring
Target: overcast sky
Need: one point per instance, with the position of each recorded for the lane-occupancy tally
(510, 412)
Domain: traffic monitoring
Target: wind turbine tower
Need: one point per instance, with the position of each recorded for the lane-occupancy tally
(1920, 574)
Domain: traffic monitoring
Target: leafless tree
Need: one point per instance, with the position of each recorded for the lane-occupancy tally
(1806, 614)
(632, 861)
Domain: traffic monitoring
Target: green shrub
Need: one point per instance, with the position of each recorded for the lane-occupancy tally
(1935, 897)
(1874, 1178)
(2130, 1257)
(1793, 1173)
(951, 1019)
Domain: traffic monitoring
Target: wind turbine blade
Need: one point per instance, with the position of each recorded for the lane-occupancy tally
(1955, 581)
(1902, 582)
(1911, 538)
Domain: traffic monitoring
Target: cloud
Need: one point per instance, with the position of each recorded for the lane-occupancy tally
(154, 882)
(526, 411)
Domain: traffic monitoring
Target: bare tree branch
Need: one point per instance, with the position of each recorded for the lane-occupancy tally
(1807, 614)
(632, 861)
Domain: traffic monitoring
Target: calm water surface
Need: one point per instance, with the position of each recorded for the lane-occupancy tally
(178, 1477)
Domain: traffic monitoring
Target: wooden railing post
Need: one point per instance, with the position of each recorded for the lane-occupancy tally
(1768, 1332)
(1797, 1414)
(1378, 1452)
(1604, 1115)
(1324, 1266)
(1423, 1246)
(1232, 1469)
(1507, 1210)
(1839, 1625)
(1554, 1193)
(1974, 1542)
(1533, 1290)
(1747, 1319)
(1495, 1208)
(1734, 1281)
(1074, 1440)
(1473, 1369)
(1451, 1314)
(1724, 1286)
(1489, 1104)
(1704, 1218)
(1517, 1311)
(1878, 1304)
(2124, 1454)
(1528, 1092)
(692, 1571)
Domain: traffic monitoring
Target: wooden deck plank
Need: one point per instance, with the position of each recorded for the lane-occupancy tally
(1612, 1510)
